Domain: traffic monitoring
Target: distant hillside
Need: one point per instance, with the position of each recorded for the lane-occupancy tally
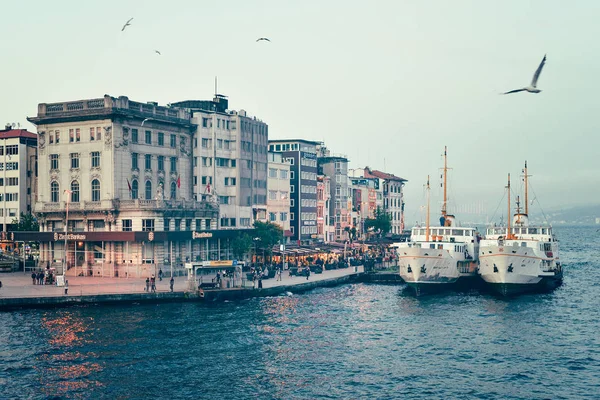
(580, 215)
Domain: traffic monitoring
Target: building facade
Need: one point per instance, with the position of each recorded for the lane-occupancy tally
(117, 191)
(278, 185)
(18, 174)
(230, 160)
(393, 196)
(336, 168)
(302, 157)
(325, 224)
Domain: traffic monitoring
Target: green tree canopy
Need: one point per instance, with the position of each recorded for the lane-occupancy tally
(241, 245)
(26, 222)
(381, 224)
(267, 235)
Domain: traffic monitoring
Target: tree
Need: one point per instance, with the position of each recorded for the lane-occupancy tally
(26, 222)
(241, 245)
(267, 235)
(381, 224)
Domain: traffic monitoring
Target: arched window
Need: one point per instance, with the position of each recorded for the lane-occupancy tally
(95, 190)
(134, 189)
(173, 190)
(54, 190)
(75, 192)
(148, 190)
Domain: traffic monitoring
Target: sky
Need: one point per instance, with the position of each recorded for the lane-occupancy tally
(386, 83)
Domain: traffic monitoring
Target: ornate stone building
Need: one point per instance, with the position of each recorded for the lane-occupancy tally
(120, 174)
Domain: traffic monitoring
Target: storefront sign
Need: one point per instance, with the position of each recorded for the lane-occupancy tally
(201, 235)
(70, 236)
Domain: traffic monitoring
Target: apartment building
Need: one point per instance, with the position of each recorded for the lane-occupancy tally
(278, 185)
(18, 174)
(302, 157)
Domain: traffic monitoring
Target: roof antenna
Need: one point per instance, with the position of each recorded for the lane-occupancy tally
(216, 87)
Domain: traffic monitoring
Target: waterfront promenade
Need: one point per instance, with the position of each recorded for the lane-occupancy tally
(17, 288)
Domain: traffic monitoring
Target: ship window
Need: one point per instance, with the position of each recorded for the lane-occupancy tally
(432, 246)
(421, 231)
(544, 231)
(523, 244)
(458, 232)
(533, 231)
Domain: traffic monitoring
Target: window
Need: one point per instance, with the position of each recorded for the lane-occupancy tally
(53, 161)
(148, 162)
(206, 162)
(291, 174)
(126, 225)
(173, 164)
(292, 216)
(205, 122)
(148, 137)
(177, 224)
(205, 143)
(272, 216)
(161, 163)
(173, 141)
(74, 160)
(223, 199)
(75, 192)
(95, 159)
(147, 225)
(148, 192)
(219, 143)
(292, 189)
(173, 190)
(12, 150)
(161, 139)
(77, 135)
(188, 224)
(57, 133)
(98, 133)
(134, 189)
(95, 190)
(283, 174)
(54, 196)
(71, 135)
(167, 224)
(134, 136)
(283, 216)
(134, 160)
(272, 195)
(272, 173)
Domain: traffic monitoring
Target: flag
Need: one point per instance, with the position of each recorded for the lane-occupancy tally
(208, 188)
(129, 185)
(178, 182)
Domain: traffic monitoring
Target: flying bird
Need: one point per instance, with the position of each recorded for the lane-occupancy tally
(263, 38)
(126, 24)
(157, 52)
(532, 88)
(144, 121)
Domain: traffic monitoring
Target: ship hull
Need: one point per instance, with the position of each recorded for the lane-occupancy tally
(428, 271)
(511, 270)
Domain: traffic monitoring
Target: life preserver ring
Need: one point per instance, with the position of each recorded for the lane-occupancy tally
(201, 293)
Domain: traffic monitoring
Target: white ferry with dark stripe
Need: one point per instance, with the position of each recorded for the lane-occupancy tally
(437, 258)
(520, 258)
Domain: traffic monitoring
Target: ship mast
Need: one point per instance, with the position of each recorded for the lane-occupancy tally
(526, 199)
(444, 209)
(508, 233)
(427, 217)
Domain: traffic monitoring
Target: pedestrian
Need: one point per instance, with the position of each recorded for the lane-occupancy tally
(147, 289)
(33, 277)
(66, 286)
(171, 283)
(153, 284)
(160, 274)
(254, 276)
(307, 273)
(260, 281)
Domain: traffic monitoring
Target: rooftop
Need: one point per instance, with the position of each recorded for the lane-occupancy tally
(369, 173)
(273, 141)
(15, 133)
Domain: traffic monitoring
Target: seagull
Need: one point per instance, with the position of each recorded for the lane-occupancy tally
(147, 119)
(263, 38)
(126, 24)
(157, 52)
(532, 88)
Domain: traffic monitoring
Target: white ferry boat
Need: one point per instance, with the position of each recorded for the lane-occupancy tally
(438, 258)
(522, 257)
